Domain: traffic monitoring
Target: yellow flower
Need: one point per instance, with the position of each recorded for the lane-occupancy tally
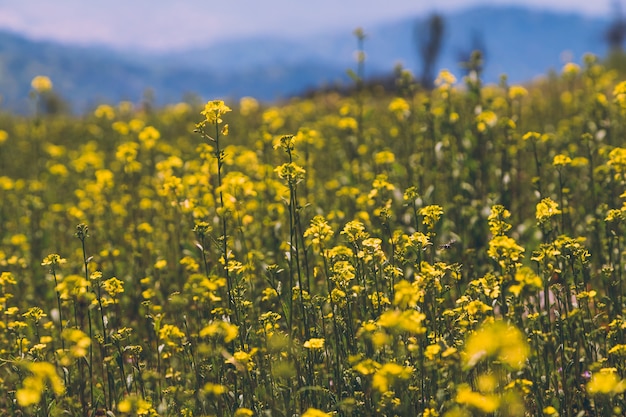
(550, 411)
(104, 111)
(400, 108)
(617, 159)
(314, 343)
(160, 264)
(445, 77)
(314, 412)
(403, 321)
(41, 84)
(53, 259)
(484, 403)
(497, 340)
(214, 389)
(486, 119)
(221, 329)
(214, 110)
(619, 92)
(497, 220)
(431, 215)
(505, 250)
(561, 160)
(527, 280)
(406, 294)
(33, 386)
(384, 157)
(430, 412)
(517, 91)
(319, 231)
(388, 373)
(80, 342)
(35, 314)
(113, 286)
(570, 69)
(606, 382)
(432, 351)
(248, 105)
(243, 412)
(291, 172)
(546, 209)
(366, 367)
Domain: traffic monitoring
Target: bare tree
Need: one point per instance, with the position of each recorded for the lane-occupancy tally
(428, 41)
(616, 32)
(473, 59)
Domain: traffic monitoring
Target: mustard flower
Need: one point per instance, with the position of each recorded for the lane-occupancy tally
(546, 209)
(136, 405)
(403, 321)
(211, 388)
(550, 411)
(431, 215)
(290, 172)
(606, 382)
(407, 295)
(286, 143)
(80, 342)
(571, 69)
(619, 94)
(41, 84)
(366, 367)
(497, 220)
(517, 92)
(248, 105)
(7, 277)
(319, 231)
(53, 259)
(561, 160)
(314, 412)
(484, 403)
(354, 231)
(617, 160)
(243, 359)
(384, 157)
(35, 314)
(314, 343)
(33, 386)
(388, 373)
(243, 412)
(214, 110)
(486, 119)
(224, 330)
(526, 281)
(445, 78)
(273, 119)
(496, 340)
(505, 250)
(113, 286)
(400, 108)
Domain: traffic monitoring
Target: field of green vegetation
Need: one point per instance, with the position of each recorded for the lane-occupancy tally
(454, 252)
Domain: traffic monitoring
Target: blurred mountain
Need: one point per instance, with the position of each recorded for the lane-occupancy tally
(523, 43)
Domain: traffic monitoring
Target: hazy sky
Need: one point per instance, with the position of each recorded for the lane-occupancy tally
(168, 24)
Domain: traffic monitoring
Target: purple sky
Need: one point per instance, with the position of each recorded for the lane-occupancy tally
(169, 24)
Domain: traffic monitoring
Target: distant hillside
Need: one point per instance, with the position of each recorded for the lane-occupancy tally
(519, 42)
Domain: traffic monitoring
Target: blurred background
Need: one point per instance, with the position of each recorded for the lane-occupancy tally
(166, 51)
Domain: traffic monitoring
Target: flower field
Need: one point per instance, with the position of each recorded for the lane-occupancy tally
(455, 252)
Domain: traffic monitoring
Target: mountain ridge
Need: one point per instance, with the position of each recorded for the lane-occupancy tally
(521, 42)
